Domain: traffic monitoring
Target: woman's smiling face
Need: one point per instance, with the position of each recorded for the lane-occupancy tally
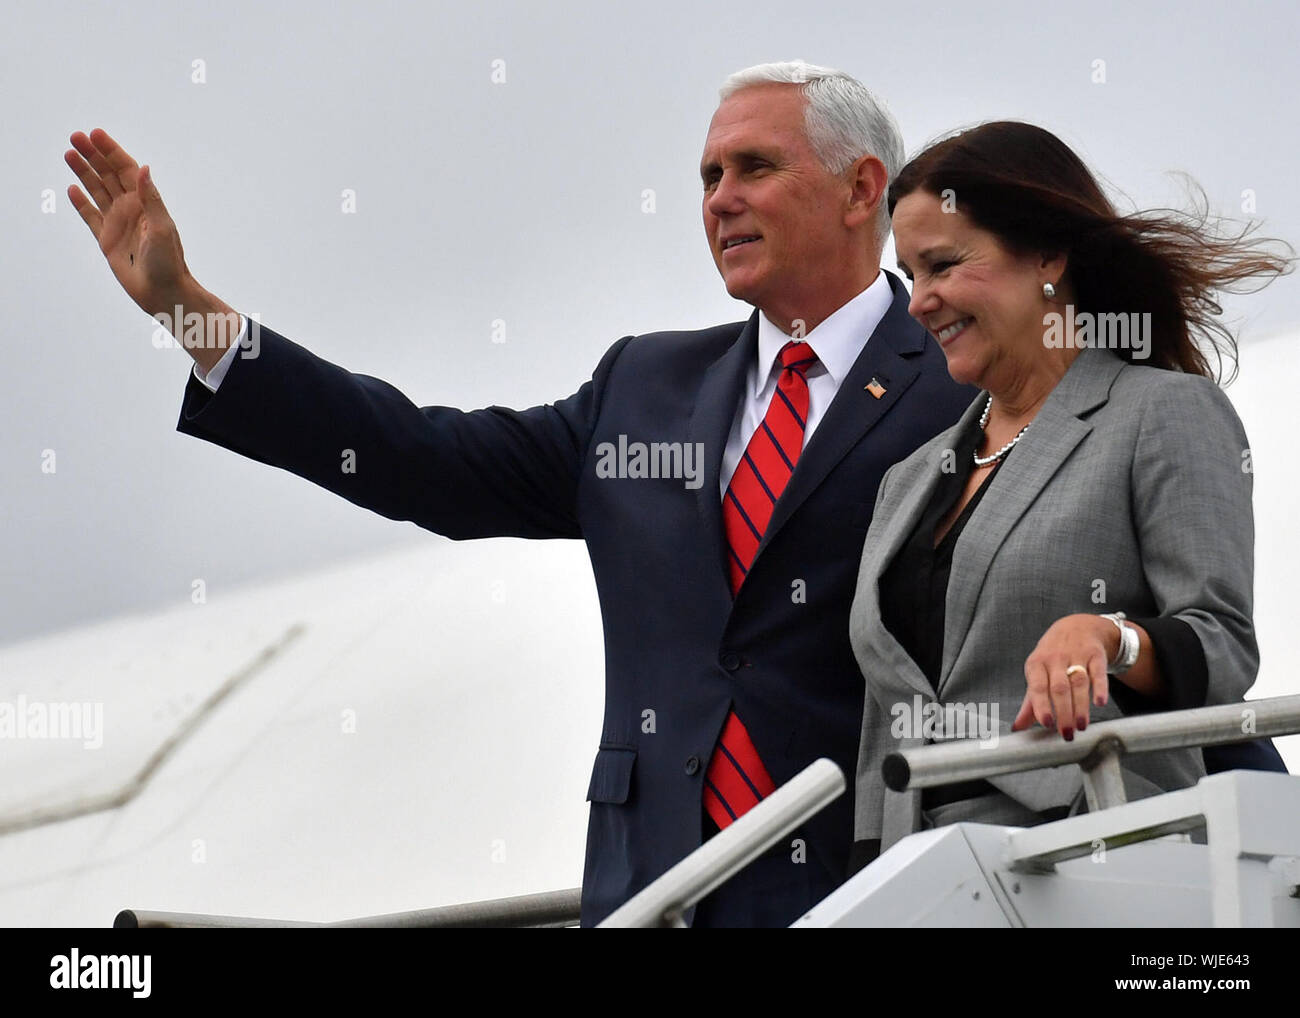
(983, 304)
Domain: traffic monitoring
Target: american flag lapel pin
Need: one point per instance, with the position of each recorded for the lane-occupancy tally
(874, 387)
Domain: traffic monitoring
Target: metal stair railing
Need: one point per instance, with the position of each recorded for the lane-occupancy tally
(1097, 751)
(1251, 820)
(546, 910)
(663, 902)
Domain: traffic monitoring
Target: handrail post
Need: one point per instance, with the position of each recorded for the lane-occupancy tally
(1103, 783)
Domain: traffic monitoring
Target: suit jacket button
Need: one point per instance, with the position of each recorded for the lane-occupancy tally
(730, 661)
(692, 764)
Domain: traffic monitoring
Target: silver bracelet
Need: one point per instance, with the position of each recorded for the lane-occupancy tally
(1128, 645)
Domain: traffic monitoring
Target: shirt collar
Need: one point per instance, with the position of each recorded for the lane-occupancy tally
(837, 341)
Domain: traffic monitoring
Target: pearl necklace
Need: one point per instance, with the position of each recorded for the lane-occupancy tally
(984, 420)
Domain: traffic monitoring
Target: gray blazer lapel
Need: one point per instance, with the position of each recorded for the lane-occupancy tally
(908, 490)
(1056, 431)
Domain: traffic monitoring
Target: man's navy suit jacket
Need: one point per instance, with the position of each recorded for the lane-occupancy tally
(676, 643)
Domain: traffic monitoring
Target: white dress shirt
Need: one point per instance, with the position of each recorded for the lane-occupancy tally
(218, 372)
(837, 342)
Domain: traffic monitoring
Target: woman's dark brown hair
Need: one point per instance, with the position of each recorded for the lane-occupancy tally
(1025, 186)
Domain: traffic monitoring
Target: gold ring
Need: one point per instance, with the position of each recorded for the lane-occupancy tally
(1074, 668)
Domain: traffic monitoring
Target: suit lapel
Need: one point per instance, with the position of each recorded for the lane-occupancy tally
(888, 357)
(711, 420)
(1057, 430)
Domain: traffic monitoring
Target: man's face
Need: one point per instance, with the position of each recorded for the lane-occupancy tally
(774, 216)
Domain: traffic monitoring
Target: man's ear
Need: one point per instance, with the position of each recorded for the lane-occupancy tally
(868, 182)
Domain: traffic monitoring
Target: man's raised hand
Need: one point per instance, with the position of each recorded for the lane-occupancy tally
(126, 214)
(136, 234)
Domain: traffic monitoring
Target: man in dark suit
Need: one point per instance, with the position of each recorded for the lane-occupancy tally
(723, 480)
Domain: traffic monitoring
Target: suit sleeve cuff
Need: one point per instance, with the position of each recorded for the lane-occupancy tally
(1182, 664)
(212, 380)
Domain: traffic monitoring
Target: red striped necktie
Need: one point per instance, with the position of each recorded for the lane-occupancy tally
(736, 779)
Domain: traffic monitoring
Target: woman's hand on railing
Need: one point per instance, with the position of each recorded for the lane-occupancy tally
(1065, 671)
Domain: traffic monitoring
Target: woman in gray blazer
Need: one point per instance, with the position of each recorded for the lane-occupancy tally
(1079, 546)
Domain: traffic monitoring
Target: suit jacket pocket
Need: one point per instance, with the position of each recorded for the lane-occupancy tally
(611, 777)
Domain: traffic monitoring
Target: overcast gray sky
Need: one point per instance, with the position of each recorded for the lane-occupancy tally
(477, 200)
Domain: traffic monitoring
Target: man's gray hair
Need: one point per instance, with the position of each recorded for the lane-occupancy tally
(843, 120)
